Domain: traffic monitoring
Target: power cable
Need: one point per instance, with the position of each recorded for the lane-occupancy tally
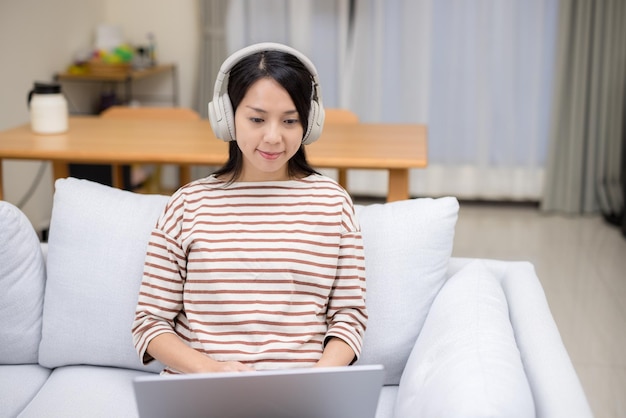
(35, 183)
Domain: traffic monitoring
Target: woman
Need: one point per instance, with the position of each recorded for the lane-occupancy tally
(259, 265)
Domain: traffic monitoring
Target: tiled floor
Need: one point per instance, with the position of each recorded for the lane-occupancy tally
(581, 262)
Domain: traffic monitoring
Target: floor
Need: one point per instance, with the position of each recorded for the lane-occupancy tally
(581, 262)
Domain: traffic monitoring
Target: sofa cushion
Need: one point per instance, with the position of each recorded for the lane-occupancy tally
(466, 361)
(97, 246)
(387, 401)
(86, 391)
(19, 383)
(407, 248)
(22, 280)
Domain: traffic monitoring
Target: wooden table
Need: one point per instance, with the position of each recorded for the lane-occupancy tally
(92, 140)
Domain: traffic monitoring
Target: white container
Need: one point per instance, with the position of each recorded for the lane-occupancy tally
(48, 109)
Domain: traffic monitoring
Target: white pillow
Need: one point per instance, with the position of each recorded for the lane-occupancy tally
(466, 361)
(407, 249)
(22, 279)
(97, 247)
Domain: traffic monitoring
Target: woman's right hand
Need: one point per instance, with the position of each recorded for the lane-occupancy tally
(232, 366)
(170, 350)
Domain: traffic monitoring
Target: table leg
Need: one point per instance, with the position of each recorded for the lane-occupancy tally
(129, 91)
(117, 174)
(1, 190)
(184, 174)
(398, 188)
(343, 177)
(60, 170)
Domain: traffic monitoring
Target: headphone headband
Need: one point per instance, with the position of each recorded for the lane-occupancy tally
(221, 113)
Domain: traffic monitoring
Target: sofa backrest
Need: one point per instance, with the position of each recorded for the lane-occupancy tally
(96, 249)
(407, 250)
(22, 279)
(97, 245)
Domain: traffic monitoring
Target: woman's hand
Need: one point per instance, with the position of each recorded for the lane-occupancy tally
(170, 350)
(232, 366)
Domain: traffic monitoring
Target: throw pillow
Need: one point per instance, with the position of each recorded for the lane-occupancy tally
(407, 249)
(466, 361)
(22, 279)
(97, 246)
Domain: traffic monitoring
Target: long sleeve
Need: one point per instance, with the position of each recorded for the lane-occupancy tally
(347, 314)
(161, 292)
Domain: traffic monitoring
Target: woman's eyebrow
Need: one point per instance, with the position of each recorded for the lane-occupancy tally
(256, 109)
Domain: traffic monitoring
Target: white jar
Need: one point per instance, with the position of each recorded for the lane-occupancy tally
(48, 109)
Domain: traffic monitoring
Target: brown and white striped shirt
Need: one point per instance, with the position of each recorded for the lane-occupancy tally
(261, 273)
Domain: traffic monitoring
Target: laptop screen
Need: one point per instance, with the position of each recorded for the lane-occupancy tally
(334, 392)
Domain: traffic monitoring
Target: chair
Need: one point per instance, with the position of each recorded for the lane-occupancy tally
(125, 112)
(153, 182)
(341, 116)
(336, 115)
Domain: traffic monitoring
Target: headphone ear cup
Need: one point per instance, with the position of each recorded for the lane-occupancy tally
(214, 118)
(316, 123)
(221, 118)
(228, 123)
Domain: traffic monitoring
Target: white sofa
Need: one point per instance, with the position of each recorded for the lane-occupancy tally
(457, 337)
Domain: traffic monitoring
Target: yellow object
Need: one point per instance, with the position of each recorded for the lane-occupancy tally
(77, 69)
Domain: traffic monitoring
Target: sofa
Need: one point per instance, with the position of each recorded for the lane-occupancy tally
(457, 337)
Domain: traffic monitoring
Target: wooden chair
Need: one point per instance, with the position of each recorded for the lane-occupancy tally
(341, 116)
(336, 115)
(172, 113)
(175, 113)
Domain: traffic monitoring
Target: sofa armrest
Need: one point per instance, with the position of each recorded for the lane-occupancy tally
(465, 361)
(456, 264)
(556, 388)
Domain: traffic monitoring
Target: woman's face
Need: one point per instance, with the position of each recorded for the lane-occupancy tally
(268, 131)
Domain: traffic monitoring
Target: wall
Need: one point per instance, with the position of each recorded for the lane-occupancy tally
(37, 39)
(40, 37)
(176, 25)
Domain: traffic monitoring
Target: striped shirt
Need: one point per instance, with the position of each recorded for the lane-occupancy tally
(262, 273)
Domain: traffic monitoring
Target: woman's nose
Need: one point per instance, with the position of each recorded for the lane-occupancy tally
(273, 133)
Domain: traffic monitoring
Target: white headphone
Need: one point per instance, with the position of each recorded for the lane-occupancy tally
(221, 114)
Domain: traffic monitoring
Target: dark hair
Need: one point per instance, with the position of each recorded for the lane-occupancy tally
(293, 76)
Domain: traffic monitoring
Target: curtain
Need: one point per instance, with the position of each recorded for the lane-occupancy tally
(478, 73)
(317, 28)
(212, 49)
(212, 53)
(585, 167)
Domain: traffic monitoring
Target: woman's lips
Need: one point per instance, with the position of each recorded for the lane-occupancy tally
(270, 155)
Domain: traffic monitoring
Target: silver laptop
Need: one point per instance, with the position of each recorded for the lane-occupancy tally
(334, 392)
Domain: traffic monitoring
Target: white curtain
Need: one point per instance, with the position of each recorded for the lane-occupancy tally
(478, 73)
(317, 28)
(491, 77)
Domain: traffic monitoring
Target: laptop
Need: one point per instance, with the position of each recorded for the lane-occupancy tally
(333, 392)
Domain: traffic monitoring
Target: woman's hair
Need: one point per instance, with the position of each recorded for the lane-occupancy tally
(294, 77)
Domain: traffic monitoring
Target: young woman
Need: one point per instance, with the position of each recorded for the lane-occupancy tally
(259, 265)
